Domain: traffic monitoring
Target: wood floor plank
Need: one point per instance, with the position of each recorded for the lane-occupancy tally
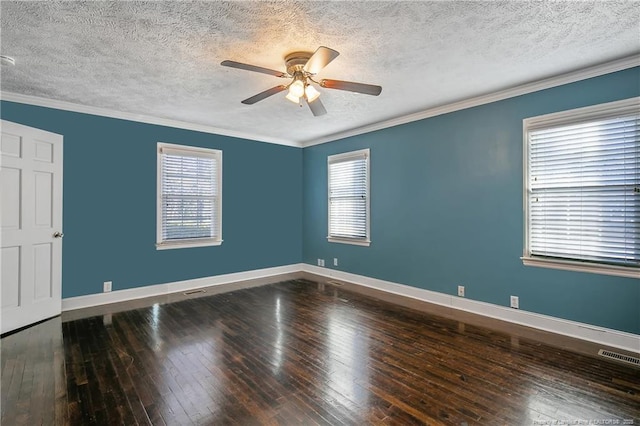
(300, 353)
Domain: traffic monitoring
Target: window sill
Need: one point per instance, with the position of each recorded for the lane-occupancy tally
(187, 244)
(365, 243)
(567, 265)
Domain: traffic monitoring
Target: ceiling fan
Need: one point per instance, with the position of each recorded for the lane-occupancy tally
(301, 69)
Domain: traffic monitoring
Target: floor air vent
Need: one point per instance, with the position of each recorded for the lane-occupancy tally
(338, 283)
(620, 357)
(193, 292)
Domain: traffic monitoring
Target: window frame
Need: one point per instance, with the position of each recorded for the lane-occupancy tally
(573, 116)
(338, 158)
(187, 242)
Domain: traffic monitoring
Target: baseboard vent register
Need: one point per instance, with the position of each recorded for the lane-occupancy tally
(186, 293)
(620, 357)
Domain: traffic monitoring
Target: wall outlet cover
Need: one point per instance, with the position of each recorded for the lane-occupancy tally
(515, 302)
(107, 286)
(461, 290)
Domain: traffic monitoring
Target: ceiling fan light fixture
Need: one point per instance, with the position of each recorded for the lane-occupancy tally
(311, 93)
(301, 68)
(292, 98)
(296, 89)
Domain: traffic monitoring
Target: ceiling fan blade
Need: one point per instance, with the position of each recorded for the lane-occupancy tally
(263, 95)
(255, 68)
(367, 89)
(316, 107)
(320, 59)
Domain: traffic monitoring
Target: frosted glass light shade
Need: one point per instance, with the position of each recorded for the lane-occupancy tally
(294, 99)
(311, 93)
(297, 89)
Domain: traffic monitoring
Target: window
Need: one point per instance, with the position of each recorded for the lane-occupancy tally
(189, 197)
(349, 198)
(582, 189)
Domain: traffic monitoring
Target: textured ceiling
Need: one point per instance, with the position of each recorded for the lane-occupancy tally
(162, 59)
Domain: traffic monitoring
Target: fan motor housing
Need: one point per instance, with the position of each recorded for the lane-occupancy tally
(295, 61)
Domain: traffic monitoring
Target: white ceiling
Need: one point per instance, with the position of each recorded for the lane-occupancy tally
(162, 59)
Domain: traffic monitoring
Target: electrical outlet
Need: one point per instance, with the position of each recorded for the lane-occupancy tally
(515, 302)
(320, 262)
(107, 319)
(335, 261)
(107, 286)
(461, 290)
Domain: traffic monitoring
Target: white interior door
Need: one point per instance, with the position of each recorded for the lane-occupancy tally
(30, 225)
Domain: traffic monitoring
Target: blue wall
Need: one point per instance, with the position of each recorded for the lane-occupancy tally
(110, 202)
(446, 209)
(446, 206)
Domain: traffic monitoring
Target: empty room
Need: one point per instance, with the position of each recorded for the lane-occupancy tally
(320, 212)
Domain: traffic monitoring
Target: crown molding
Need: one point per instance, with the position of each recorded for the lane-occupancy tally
(141, 118)
(535, 86)
(547, 83)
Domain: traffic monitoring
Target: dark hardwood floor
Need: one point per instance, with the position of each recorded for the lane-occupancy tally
(300, 353)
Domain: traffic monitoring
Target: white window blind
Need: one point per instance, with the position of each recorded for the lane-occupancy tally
(189, 190)
(584, 189)
(349, 196)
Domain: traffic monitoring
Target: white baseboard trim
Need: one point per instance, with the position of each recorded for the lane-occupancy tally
(592, 333)
(601, 335)
(97, 299)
